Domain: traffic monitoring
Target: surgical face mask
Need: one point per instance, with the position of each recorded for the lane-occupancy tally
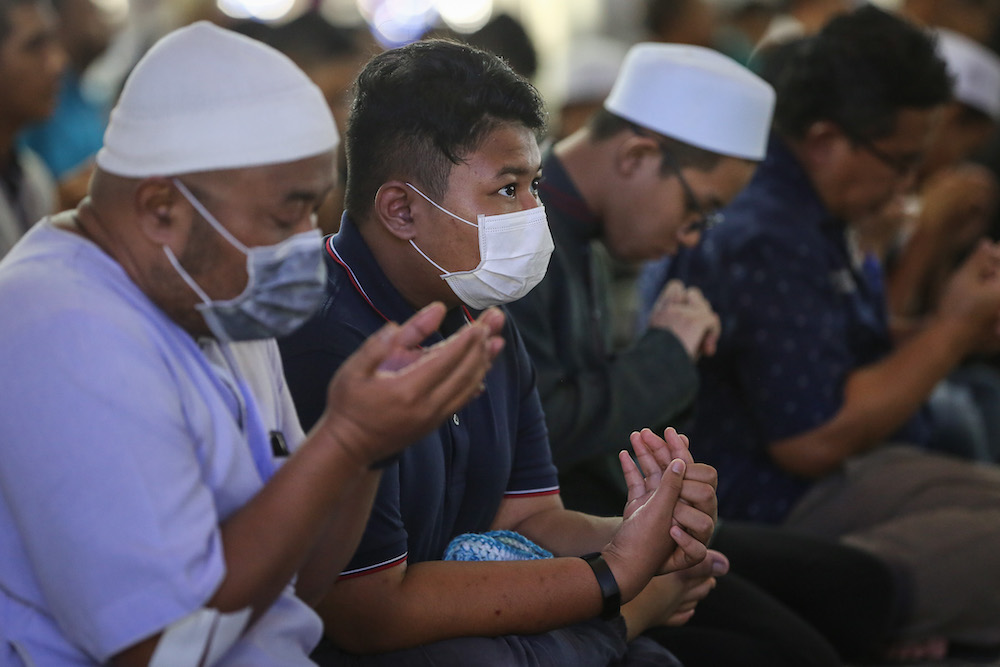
(514, 251)
(286, 284)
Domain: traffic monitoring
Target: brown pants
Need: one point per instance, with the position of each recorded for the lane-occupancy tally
(936, 518)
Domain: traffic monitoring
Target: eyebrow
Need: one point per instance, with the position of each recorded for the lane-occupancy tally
(513, 170)
(307, 196)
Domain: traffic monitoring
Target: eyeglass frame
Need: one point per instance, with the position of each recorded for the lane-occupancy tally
(901, 166)
(706, 219)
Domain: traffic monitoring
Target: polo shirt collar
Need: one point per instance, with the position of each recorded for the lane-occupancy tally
(348, 252)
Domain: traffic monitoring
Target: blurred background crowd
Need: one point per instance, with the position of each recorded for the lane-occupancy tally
(570, 49)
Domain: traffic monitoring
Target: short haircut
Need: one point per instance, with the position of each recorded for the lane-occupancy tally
(5, 8)
(421, 108)
(858, 72)
(604, 125)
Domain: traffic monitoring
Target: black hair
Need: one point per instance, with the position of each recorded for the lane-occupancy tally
(421, 108)
(604, 125)
(858, 72)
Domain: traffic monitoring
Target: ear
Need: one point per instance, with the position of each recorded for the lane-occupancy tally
(824, 143)
(162, 213)
(393, 211)
(632, 151)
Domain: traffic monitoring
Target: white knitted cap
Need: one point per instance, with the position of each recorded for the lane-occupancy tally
(695, 95)
(975, 70)
(206, 98)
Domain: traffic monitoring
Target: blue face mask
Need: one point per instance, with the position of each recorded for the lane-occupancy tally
(286, 284)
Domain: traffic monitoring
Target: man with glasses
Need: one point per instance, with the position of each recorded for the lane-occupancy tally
(808, 411)
(678, 137)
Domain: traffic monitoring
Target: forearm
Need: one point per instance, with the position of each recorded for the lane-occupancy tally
(565, 532)
(440, 600)
(269, 540)
(339, 539)
(878, 399)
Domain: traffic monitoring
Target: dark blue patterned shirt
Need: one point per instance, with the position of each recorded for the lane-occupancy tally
(798, 316)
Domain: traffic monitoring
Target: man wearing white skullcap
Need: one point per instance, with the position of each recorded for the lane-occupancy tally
(151, 510)
(679, 137)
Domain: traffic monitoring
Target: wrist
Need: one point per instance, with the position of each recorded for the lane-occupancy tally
(610, 593)
(327, 435)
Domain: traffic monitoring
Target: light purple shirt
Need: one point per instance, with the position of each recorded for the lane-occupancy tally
(121, 452)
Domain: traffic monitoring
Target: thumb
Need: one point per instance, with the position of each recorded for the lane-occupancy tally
(668, 491)
(374, 351)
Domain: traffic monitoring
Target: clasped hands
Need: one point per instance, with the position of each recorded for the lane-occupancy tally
(670, 514)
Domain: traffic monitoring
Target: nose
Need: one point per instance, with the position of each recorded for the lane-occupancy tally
(529, 200)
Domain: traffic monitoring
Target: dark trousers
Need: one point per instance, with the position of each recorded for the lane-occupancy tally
(595, 643)
(789, 599)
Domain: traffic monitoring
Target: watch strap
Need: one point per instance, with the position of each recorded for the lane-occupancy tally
(609, 587)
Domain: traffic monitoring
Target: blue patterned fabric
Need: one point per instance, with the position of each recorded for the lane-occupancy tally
(494, 545)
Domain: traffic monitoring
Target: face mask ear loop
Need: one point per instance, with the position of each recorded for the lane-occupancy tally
(185, 276)
(440, 208)
(208, 216)
(444, 274)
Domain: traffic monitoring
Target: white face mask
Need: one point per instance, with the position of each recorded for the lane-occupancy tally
(514, 251)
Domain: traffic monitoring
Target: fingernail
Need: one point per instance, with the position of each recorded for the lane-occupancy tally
(677, 466)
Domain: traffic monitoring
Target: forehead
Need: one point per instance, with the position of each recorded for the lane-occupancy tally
(510, 149)
(26, 22)
(913, 128)
(308, 176)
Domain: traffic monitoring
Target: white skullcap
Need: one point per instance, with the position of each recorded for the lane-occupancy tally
(975, 70)
(695, 95)
(205, 98)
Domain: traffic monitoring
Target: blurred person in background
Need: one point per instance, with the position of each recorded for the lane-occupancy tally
(69, 139)
(976, 19)
(922, 236)
(331, 55)
(32, 61)
(681, 21)
(803, 17)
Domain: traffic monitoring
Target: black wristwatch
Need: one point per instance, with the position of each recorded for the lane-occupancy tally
(609, 587)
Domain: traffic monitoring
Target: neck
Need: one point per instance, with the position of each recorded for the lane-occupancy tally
(413, 276)
(588, 164)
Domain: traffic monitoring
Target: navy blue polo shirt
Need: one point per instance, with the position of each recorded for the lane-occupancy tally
(453, 480)
(799, 314)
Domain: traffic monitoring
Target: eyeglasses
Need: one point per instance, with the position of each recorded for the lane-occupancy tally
(706, 219)
(903, 166)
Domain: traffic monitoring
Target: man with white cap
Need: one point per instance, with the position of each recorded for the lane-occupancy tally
(443, 165)
(147, 515)
(678, 137)
(814, 418)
